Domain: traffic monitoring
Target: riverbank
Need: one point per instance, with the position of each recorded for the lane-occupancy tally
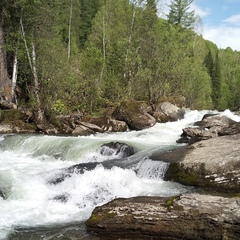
(128, 115)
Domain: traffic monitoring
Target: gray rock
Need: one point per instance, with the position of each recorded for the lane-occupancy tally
(167, 112)
(211, 125)
(189, 216)
(214, 164)
(135, 114)
(122, 150)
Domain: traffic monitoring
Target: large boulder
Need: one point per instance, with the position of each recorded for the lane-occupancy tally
(234, 128)
(211, 125)
(189, 216)
(135, 114)
(167, 112)
(213, 164)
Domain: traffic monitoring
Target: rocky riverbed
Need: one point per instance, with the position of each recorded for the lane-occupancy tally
(211, 165)
(209, 161)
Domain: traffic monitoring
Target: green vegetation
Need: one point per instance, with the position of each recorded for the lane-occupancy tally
(96, 218)
(170, 204)
(80, 55)
(93, 220)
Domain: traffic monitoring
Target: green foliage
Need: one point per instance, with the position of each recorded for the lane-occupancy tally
(60, 107)
(119, 50)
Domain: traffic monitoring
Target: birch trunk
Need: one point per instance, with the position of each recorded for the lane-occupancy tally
(14, 76)
(39, 112)
(127, 71)
(32, 62)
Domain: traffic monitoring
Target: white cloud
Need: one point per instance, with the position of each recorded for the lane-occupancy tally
(223, 36)
(234, 19)
(201, 12)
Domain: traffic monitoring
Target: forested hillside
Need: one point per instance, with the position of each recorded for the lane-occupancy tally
(66, 55)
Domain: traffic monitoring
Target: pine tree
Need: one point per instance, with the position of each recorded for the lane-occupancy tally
(179, 13)
(88, 10)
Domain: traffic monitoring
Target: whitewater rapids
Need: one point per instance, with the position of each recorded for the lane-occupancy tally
(27, 163)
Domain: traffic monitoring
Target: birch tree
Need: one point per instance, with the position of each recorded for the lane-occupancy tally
(31, 55)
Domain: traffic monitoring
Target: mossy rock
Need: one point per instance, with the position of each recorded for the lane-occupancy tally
(97, 218)
(198, 176)
(94, 219)
(178, 173)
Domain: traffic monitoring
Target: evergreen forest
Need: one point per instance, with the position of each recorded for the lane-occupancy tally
(60, 56)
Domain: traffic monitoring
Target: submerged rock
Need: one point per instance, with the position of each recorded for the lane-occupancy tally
(116, 150)
(189, 216)
(1, 194)
(122, 150)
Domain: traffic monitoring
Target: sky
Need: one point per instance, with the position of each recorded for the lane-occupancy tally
(220, 21)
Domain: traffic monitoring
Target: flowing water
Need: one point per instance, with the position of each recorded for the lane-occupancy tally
(34, 207)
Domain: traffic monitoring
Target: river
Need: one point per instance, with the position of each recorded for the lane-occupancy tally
(34, 208)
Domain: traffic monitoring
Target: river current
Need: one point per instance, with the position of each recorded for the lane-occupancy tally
(34, 208)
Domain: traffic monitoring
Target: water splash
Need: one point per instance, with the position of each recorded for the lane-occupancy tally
(150, 169)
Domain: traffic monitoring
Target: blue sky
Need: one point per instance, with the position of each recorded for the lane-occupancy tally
(220, 20)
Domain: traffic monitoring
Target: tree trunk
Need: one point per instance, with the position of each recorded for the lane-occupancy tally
(104, 47)
(5, 82)
(127, 71)
(14, 77)
(69, 29)
(32, 62)
(39, 113)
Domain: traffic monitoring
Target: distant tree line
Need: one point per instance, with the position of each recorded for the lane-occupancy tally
(66, 55)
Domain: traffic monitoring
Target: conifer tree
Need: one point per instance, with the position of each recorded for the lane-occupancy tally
(180, 13)
(88, 10)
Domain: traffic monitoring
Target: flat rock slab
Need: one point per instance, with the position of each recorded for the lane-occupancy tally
(218, 154)
(189, 216)
(213, 164)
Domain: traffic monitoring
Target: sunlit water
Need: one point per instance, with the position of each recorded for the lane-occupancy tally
(29, 162)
